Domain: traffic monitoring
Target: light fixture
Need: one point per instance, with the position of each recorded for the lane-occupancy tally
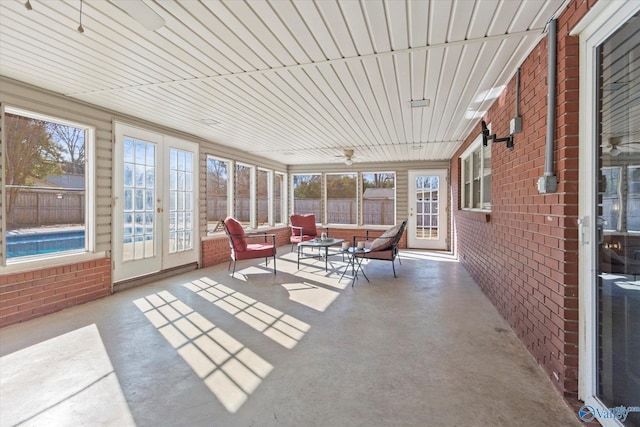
(348, 157)
(27, 4)
(142, 13)
(80, 27)
(209, 122)
(419, 103)
(486, 136)
(614, 151)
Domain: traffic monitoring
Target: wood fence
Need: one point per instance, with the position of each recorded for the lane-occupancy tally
(35, 207)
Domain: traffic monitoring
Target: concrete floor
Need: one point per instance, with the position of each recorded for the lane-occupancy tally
(300, 348)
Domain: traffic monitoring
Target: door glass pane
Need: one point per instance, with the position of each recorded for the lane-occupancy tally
(427, 207)
(618, 208)
(180, 201)
(139, 207)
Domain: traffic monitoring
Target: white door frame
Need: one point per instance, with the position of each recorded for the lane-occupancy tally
(443, 199)
(163, 257)
(602, 21)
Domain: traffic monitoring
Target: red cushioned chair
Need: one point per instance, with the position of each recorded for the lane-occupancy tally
(384, 247)
(264, 246)
(303, 228)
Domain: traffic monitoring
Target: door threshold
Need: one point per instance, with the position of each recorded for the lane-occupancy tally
(148, 278)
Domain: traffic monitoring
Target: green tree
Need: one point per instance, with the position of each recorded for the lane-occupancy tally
(306, 186)
(31, 154)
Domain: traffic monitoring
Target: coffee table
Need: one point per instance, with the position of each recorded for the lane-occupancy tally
(355, 262)
(318, 243)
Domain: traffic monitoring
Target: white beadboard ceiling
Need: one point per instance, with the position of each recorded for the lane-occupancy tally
(297, 81)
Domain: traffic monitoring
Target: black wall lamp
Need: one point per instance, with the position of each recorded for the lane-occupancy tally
(486, 137)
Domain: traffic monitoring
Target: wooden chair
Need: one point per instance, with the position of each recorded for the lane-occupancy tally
(264, 247)
(303, 228)
(383, 247)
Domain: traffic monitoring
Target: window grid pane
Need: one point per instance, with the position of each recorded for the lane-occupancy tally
(181, 201)
(139, 213)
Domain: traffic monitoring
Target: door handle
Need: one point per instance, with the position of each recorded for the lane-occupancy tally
(160, 210)
(583, 230)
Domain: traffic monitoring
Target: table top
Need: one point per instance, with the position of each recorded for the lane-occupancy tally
(353, 250)
(319, 243)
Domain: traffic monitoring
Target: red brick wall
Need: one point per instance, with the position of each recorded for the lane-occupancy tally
(524, 254)
(41, 291)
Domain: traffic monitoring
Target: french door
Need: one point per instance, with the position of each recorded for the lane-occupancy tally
(154, 210)
(427, 225)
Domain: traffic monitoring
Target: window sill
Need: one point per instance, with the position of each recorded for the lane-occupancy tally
(475, 215)
(21, 265)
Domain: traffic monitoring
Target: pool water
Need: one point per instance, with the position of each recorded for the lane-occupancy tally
(44, 242)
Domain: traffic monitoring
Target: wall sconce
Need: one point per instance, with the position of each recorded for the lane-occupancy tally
(486, 137)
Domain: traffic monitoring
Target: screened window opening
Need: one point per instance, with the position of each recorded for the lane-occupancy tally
(263, 196)
(242, 194)
(47, 185)
(217, 191)
(307, 195)
(378, 198)
(342, 198)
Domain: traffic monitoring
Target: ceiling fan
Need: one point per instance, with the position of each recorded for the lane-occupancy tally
(348, 156)
(614, 143)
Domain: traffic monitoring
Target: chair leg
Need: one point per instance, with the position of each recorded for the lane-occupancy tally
(274, 263)
(393, 264)
(234, 268)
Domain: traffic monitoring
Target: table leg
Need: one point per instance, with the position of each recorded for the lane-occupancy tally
(359, 267)
(349, 262)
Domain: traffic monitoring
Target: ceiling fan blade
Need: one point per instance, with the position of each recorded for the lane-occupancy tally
(142, 13)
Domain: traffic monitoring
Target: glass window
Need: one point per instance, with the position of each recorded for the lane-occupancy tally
(342, 198)
(279, 201)
(476, 177)
(263, 196)
(47, 186)
(378, 198)
(242, 194)
(307, 195)
(611, 198)
(217, 191)
(633, 199)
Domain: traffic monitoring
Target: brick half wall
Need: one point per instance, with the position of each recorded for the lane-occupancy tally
(34, 293)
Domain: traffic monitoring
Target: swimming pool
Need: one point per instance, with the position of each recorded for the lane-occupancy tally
(43, 242)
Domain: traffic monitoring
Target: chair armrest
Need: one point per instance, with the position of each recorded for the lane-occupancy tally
(295, 229)
(265, 235)
(366, 238)
(374, 231)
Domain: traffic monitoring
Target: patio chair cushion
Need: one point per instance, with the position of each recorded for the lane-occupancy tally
(237, 233)
(307, 222)
(385, 241)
